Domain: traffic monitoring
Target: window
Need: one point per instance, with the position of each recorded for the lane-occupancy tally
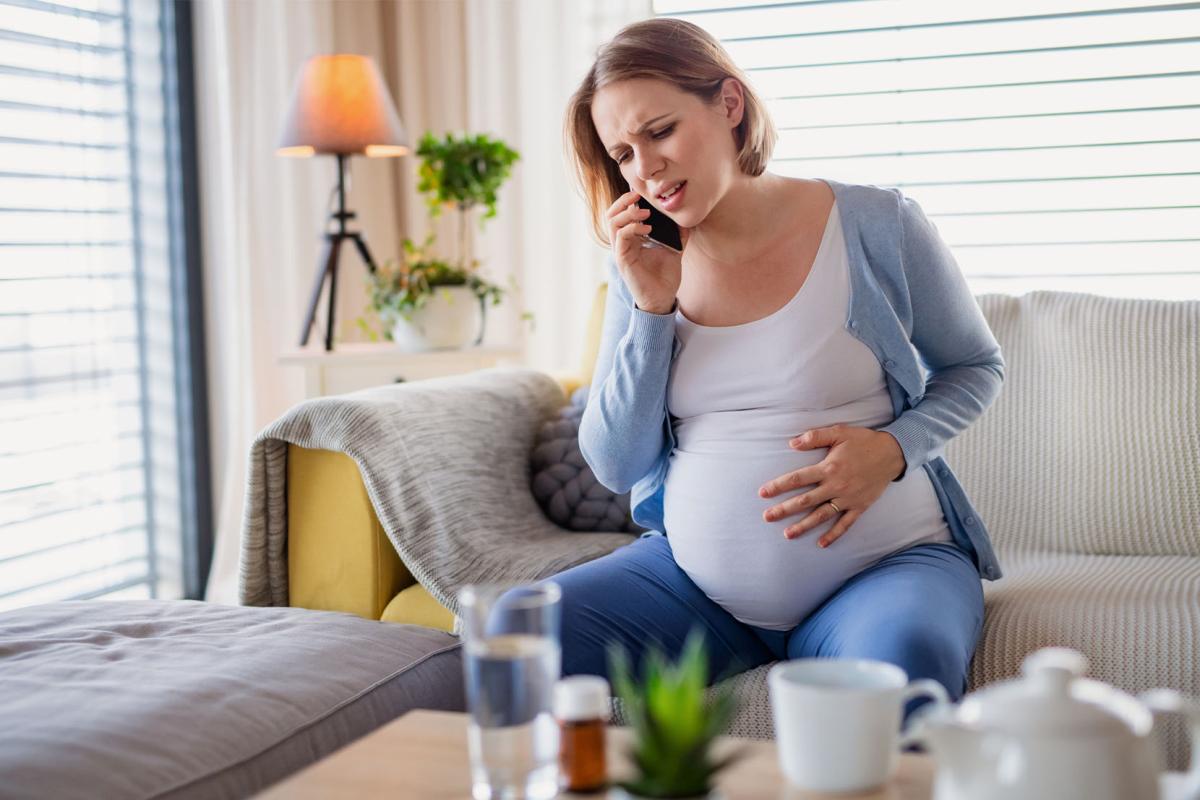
(102, 483)
(1053, 143)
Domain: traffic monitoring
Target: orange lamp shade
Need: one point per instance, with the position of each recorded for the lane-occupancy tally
(340, 104)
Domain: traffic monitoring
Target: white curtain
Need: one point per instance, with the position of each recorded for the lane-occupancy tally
(525, 58)
(262, 220)
(258, 217)
(501, 67)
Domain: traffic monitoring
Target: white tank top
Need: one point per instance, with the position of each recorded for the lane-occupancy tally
(736, 395)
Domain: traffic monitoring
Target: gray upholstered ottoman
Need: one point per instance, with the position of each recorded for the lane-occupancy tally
(182, 699)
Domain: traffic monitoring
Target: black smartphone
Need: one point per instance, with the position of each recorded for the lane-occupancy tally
(663, 229)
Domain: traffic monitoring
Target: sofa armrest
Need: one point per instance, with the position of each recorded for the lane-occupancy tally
(339, 558)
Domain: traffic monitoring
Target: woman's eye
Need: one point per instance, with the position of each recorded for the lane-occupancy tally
(664, 133)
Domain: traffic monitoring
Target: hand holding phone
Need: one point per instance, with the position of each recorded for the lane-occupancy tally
(664, 231)
(654, 271)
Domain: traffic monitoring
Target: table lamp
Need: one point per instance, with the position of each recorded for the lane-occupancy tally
(340, 106)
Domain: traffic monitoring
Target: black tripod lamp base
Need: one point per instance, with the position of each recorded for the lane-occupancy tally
(327, 270)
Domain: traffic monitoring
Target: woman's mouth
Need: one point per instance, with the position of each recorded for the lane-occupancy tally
(675, 200)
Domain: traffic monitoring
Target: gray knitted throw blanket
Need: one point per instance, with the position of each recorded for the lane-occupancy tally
(446, 464)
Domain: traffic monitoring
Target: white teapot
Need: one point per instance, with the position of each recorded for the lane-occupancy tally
(1053, 734)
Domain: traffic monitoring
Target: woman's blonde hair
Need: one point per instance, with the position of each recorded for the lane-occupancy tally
(672, 50)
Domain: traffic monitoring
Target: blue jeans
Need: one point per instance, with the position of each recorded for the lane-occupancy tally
(920, 608)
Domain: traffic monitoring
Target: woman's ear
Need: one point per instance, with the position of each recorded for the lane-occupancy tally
(733, 101)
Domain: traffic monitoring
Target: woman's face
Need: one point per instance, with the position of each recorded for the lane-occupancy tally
(684, 141)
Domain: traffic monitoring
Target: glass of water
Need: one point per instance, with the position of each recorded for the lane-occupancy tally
(511, 659)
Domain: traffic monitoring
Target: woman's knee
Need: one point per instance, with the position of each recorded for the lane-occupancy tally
(511, 611)
(921, 610)
(583, 627)
(921, 649)
(602, 605)
(636, 598)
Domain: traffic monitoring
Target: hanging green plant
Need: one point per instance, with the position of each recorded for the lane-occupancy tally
(463, 172)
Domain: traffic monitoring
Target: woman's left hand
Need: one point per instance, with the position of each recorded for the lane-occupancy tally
(861, 462)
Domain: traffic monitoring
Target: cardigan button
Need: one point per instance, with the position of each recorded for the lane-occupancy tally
(969, 520)
(853, 324)
(943, 471)
(889, 363)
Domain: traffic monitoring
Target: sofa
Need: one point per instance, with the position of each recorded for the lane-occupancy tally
(1086, 471)
(185, 700)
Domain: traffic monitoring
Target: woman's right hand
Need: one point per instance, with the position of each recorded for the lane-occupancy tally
(653, 274)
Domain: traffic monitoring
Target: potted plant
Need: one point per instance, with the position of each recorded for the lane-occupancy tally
(426, 302)
(674, 728)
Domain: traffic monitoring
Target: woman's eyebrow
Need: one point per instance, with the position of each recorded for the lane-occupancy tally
(639, 131)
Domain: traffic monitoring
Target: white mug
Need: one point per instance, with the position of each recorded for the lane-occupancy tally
(837, 720)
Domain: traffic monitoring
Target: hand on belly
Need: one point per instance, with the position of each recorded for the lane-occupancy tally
(859, 467)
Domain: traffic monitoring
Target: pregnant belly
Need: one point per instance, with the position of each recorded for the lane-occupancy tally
(713, 516)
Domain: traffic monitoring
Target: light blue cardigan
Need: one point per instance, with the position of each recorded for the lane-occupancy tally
(906, 292)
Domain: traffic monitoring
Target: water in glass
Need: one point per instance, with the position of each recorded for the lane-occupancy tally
(511, 660)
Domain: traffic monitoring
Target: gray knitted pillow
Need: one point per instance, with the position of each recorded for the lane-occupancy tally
(563, 483)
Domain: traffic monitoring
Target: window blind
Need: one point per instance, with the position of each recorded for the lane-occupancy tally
(1054, 144)
(94, 410)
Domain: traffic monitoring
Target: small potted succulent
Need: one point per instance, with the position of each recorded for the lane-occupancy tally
(674, 727)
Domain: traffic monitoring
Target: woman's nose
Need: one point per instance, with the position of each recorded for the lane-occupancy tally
(644, 172)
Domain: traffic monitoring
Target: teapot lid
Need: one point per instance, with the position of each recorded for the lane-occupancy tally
(1052, 698)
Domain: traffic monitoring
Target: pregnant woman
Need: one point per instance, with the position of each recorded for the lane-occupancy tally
(777, 397)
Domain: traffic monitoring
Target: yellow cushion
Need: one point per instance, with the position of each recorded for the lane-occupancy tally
(569, 381)
(591, 348)
(415, 605)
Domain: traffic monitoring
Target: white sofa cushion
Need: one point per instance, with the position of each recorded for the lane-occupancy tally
(1093, 445)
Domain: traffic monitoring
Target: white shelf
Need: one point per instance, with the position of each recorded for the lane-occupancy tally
(359, 365)
(369, 352)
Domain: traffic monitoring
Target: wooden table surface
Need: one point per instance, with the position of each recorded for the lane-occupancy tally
(423, 756)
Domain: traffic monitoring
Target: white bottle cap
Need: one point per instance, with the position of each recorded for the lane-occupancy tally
(581, 697)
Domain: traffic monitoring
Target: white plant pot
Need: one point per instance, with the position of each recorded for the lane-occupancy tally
(452, 318)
